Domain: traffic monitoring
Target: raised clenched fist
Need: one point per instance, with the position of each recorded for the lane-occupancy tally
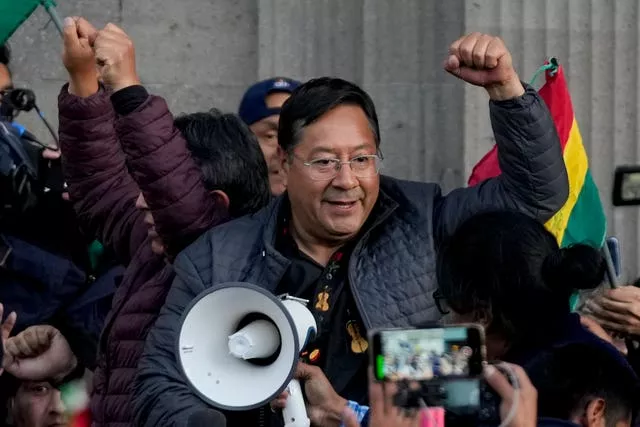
(484, 60)
(78, 57)
(115, 56)
(39, 353)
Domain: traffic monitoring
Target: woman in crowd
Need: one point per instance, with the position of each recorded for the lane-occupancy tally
(505, 271)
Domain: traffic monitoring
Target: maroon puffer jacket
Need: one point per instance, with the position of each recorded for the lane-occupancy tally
(109, 159)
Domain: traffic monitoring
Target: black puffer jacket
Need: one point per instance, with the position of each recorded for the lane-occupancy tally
(392, 268)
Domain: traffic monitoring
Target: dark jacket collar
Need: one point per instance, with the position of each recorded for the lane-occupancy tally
(383, 207)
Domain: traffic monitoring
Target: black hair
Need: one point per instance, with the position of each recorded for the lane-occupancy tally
(315, 98)
(230, 158)
(569, 377)
(5, 54)
(507, 268)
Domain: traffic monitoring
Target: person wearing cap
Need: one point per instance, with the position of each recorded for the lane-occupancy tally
(260, 110)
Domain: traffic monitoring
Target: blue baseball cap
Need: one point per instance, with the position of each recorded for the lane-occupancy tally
(253, 107)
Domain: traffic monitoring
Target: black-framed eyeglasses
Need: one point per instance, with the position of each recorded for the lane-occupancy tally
(441, 302)
(364, 166)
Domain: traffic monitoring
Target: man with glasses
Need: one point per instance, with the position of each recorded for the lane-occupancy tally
(359, 246)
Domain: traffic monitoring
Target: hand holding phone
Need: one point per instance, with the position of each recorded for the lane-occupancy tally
(519, 402)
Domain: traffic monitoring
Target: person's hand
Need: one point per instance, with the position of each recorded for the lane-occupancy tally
(526, 414)
(39, 353)
(484, 60)
(115, 55)
(324, 406)
(617, 310)
(5, 330)
(594, 327)
(78, 57)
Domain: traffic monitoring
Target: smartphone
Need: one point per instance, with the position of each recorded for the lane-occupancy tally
(447, 361)
(427, 354)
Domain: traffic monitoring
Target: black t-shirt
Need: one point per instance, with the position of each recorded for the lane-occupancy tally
(306, 279)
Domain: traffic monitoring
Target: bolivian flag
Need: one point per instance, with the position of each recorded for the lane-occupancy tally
(581, 219)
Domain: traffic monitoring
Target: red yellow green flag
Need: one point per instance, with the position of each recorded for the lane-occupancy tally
(582, 218)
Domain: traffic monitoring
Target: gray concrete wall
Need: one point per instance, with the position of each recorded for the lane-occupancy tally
(203, 53)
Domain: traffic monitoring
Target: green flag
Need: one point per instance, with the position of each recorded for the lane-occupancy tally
(12, 14)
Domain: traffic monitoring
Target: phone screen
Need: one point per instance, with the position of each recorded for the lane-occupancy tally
(431, 354)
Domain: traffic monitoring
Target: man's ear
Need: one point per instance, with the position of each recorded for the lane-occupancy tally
(221, 197)
(594, 413)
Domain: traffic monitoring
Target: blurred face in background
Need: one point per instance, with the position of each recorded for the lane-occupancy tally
(38, 404)
(266, 130)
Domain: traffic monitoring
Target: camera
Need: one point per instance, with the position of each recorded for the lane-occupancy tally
(18, 172)
(13, 101)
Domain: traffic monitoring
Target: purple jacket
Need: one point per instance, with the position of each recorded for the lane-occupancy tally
(109, 160)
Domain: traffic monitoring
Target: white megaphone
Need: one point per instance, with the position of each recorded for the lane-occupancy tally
(239, 346)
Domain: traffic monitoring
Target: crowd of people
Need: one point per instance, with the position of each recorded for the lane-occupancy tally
(287, 194)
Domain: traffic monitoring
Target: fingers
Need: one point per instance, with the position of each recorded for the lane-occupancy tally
(498, 382)
(617, 306)
(465, 50)
(50, 154)
(114, 28)
(70, 32)
(479, 52)
(281, 401)
(495, 51)
(613, 325)
(601, 313)
(390, 389)
(624, 294)
(8, 325)
(306, 372)
(376, 394)
(86, 30)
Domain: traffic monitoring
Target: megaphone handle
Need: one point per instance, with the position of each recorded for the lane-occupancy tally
(295, 412)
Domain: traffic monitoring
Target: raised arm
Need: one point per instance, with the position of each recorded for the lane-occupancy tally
(534, 178)
(100, 187)
(157, 154)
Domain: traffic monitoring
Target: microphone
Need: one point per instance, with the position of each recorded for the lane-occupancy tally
(207, 418)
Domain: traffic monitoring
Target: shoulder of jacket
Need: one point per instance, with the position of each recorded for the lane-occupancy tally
(406, 191)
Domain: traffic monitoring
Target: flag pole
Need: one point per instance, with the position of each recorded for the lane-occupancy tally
(50, 7)
(611, 271)
(552, 65)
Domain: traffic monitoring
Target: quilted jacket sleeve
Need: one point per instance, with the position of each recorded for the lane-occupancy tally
(534, 178)
(100, 187)
(169, 178)
(161, 396)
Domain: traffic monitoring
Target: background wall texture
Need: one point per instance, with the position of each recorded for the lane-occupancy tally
(204, 53)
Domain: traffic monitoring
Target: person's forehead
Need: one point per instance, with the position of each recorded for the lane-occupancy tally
(276, 99)
(343, 127)
(267, 123)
